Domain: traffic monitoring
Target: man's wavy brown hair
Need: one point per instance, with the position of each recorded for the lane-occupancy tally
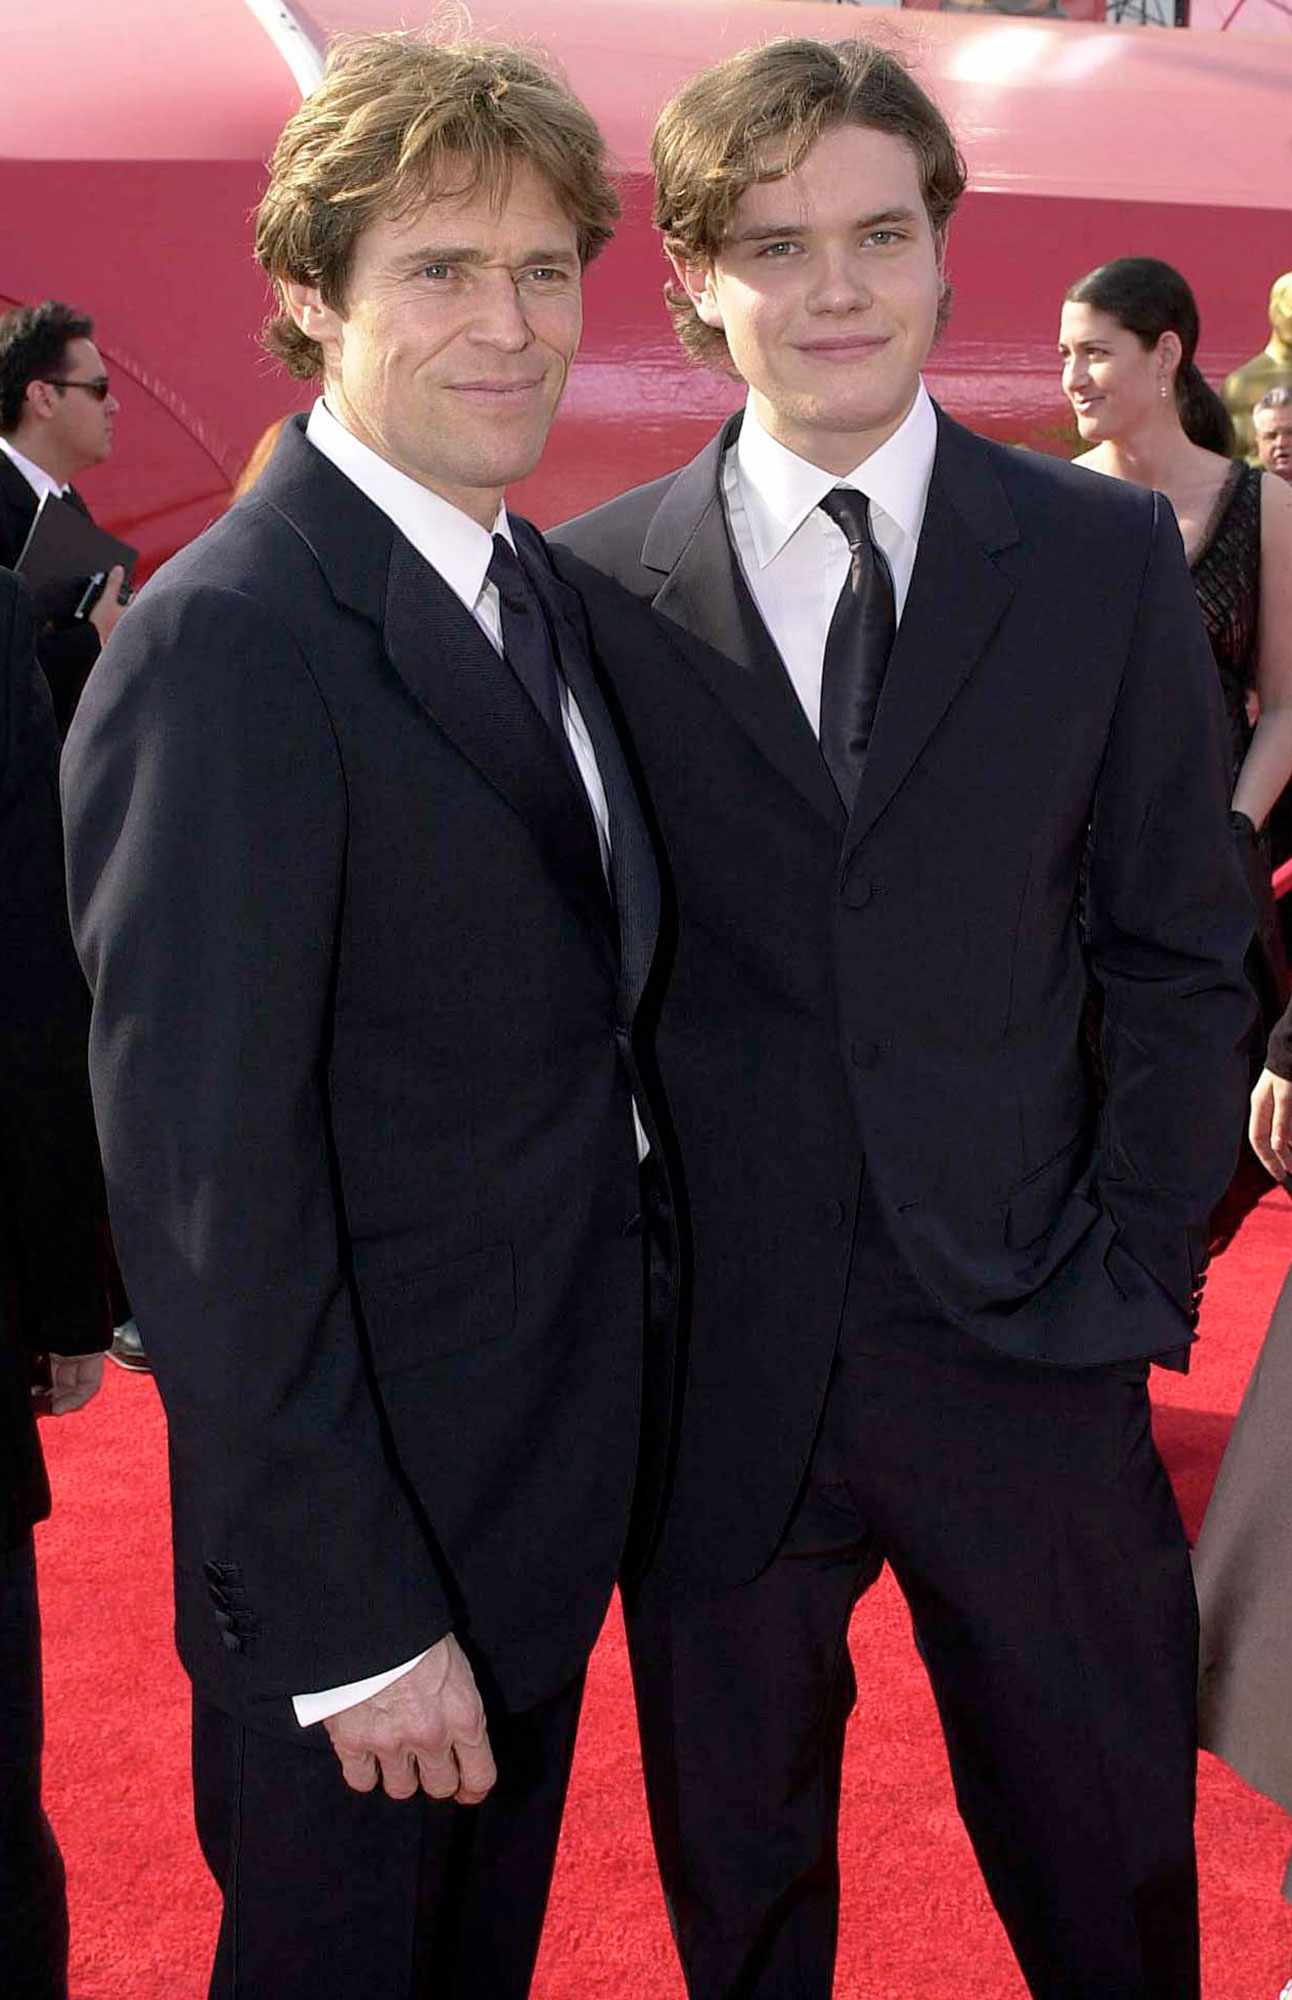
(399, 119)
(754, 118)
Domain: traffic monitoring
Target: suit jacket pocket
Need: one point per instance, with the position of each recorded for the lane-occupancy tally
(440, 1309)
(1036, 1204)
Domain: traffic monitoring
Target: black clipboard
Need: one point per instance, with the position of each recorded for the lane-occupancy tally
(65, 559)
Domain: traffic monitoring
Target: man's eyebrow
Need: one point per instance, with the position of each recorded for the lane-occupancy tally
(462, 253)
(438, 253)
(775, 232)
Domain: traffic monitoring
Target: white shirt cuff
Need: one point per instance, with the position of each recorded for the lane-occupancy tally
(317, 1707)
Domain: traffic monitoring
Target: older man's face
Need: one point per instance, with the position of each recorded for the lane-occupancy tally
(452, 350)
(1273, 430)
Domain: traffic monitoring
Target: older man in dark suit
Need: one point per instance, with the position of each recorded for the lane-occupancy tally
(56, 420)
(931, 732)
(367, 904)
(53, 1296)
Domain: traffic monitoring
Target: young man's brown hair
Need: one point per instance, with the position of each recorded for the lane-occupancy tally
(399, 119)
(754, 118)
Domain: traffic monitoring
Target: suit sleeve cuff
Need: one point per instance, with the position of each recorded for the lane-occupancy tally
(331, 1701)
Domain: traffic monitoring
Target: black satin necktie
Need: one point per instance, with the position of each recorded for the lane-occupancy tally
(526, 641)
(857, 646)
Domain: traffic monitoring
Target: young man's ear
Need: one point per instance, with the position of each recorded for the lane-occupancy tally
(697, 282)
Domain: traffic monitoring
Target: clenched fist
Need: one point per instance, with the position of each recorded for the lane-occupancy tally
(427, 1730)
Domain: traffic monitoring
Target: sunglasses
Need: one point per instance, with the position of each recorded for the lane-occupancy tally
(98, 388)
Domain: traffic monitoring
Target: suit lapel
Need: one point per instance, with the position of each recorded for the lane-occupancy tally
(472, 695)
(957, 598)
(443, 658)
(632, 861)
(705, 595)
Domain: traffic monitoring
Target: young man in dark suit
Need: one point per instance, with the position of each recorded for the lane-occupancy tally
(367, 903)
(931, 733)
(53, 1291)
(56, 420)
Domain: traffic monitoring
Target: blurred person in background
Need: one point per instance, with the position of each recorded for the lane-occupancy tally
(57, 412)
(1272, 430)
(53, 1294)
(1128, 338)
(57, 418)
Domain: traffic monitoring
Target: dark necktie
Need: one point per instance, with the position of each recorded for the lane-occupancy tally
(526, 642)
(857, 646)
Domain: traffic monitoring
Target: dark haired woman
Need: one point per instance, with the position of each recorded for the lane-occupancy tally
(1127, 337)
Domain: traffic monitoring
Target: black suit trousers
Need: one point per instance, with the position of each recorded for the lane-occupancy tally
(330, 1894)
(1030, 1526)
(33, 1901)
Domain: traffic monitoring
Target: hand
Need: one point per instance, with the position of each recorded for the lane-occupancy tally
(74, 1380)
(107, 611)
(427, 1728)
(1270, 1125)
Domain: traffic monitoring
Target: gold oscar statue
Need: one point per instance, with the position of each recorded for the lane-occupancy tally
(1271, 369)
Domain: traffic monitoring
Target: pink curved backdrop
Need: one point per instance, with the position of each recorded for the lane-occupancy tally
(132, 149)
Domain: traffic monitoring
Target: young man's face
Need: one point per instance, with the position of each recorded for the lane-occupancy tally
(459, 325)
(827, 289)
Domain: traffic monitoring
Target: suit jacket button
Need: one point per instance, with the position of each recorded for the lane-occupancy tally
(857, 891)
(832, 1214)
(865, 1055)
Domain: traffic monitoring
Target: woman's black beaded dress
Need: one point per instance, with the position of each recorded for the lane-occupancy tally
(1227, 577)
(1226, 570)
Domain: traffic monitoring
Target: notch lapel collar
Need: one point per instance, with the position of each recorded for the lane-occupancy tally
(705, 595)
(473, 698)
(442, 657)
(957, 598)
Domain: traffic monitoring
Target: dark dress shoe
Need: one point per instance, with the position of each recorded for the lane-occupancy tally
(127, 1349)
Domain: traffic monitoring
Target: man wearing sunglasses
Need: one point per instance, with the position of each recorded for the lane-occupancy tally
(56, 416)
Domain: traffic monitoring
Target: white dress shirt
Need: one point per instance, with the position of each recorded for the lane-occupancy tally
(795, 558)
(460, 551)
(40, 481)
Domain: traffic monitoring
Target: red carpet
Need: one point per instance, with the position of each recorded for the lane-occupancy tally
(915, 1919)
